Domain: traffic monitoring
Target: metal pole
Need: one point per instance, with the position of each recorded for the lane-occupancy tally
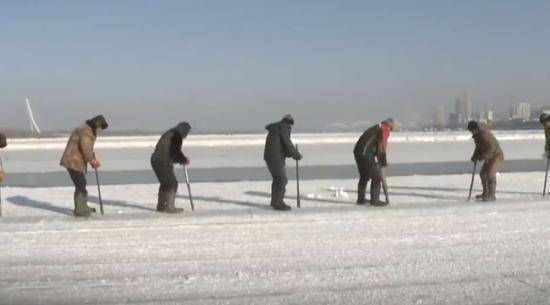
(472, 182)
(298, 204)
(546, 175)
(99, 191)
(385, 186)
(188, 187)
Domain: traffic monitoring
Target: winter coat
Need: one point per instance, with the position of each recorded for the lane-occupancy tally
(487, 146)
(168, 148)
(547, 136)
(373, 143)
(80, 149)
(3, 143)
(278, 145)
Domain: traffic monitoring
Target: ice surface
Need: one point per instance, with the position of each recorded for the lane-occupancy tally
(259, 139)
(428, 247)
(219, 151)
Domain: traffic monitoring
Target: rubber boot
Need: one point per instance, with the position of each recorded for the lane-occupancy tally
(278, 196)
(361, 190)
(171, 203)
(274, 195)
(161, 204)
(375, 195)
(81, 208)
(492, 184)
(484, 194)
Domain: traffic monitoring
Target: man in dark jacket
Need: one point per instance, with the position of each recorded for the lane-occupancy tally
(545, 121)
(278, 147)
(370, 156)
(3, 143)
(167, 152)
(488, 149)
(78, 153)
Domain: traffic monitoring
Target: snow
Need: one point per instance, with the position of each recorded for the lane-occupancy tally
(429, 246)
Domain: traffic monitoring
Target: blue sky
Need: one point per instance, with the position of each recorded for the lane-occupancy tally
(240, 64)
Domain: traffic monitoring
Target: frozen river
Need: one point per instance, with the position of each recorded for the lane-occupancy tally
(239, 157)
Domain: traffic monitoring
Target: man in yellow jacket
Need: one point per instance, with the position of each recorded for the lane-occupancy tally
(78, 153)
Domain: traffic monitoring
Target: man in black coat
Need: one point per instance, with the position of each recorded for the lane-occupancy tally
(370, 156)
(167, 152)
(3, 143)
(278, 147)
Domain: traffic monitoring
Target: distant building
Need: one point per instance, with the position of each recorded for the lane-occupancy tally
(487, 116)
(439, 118)
(521, 111)
(455, 121)
(463, 107)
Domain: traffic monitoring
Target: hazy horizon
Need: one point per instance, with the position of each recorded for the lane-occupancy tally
(237, 65)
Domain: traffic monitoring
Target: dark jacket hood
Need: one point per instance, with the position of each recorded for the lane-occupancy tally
(272, 126)
(183, 129)
(3, 142)
(98, 122)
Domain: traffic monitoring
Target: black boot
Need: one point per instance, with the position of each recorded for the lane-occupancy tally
(161, 204)
(484, 194)
(375, 196)
(492, 187)
(171, 203)
(278, 195)
(361, 190)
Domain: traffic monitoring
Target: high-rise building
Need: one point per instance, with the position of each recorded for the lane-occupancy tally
(439, 118)
(463, 107)
(521, 111)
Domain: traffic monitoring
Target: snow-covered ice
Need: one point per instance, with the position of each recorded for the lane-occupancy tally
(428, 247)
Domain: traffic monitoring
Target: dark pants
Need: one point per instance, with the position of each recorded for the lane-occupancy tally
(488, 174)
(79, 181)
(165, 174)
(277, 169)
(368, 170)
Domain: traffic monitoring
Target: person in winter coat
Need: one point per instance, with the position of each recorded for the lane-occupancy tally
(78, 153)
(167, 152)
(545, 121)
(3, 144)
(278, 147)
(488, 149)
(370, 157)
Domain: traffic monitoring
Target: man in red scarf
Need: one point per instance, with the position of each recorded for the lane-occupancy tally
(370, 156)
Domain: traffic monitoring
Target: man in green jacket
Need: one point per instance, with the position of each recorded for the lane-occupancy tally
(488, 149)
(545, 121)
(278, 147)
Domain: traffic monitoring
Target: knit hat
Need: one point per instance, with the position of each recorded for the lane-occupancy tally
(544, 117)
(473, 125)
(3, 142)
(183, 128)
(289, 119)
(98, 121)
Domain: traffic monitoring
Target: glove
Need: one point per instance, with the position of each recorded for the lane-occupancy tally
(95, 163)
(297, 157)
(185, 161)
